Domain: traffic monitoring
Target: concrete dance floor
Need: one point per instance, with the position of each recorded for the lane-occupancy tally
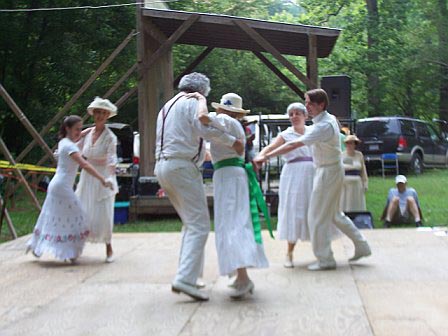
(401, 290)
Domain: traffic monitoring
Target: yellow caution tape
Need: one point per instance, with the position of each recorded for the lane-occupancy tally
(24, 166)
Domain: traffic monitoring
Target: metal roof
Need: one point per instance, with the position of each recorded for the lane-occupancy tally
(219, 31)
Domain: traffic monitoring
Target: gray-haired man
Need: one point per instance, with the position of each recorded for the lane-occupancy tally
(180, 152)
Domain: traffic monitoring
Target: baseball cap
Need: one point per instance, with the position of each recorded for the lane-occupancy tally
(400, 179)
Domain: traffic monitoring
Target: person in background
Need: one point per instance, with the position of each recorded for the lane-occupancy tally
(353, 196)
(296, 182)
(402, 206)
(62, 226)
(99, 147)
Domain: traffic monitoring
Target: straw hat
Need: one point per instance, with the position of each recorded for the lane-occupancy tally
(231, 102)
(352, 137)
(105, 104)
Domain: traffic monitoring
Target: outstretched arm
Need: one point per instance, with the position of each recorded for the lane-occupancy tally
(283, 149)
(90, 169)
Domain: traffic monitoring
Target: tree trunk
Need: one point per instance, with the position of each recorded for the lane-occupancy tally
(373, 80)
(442, 28)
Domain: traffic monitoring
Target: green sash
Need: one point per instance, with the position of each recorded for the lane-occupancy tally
(256, 196)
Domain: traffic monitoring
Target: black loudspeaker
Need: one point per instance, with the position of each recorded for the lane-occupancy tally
(339, 91)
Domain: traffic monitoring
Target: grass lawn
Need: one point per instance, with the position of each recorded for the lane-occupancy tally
(432, 188)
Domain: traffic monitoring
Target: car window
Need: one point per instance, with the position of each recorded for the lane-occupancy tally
(422, 130)
(376, 128)
(433, 133)
(407, 127)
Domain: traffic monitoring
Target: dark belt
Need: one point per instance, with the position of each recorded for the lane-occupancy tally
(352, 173)
(301, 159)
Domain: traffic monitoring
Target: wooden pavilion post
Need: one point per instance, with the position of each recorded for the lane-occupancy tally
(155, 85)
(311, 61)
(4, 149)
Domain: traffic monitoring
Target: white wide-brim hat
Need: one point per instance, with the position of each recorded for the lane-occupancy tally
(105, 104)
(231, 102)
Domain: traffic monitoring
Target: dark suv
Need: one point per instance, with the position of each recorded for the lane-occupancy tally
(417, 143)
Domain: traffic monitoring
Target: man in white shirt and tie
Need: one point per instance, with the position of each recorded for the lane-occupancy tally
(180, 152)
(327, 184)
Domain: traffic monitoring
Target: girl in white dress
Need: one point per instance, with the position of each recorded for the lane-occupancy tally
(61, 228)
(296, 182)
(353, 197)
(234, 231)
(99, 147)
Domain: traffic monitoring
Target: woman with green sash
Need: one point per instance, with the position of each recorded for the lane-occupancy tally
(238, 244)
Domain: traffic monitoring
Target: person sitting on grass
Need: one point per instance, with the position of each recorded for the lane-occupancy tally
(402, 206)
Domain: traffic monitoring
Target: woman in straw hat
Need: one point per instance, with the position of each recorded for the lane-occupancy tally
(61, 228)
(353, 196)
(99, 147)
(296, 182)
(238, 244)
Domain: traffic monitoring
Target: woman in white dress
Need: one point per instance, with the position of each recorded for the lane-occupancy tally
(99, 147)
(296, 183)
(353, 197)
(235, 239)
(61, 228)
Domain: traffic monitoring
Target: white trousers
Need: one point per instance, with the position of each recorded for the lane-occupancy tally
(182, 182)
(324, 211)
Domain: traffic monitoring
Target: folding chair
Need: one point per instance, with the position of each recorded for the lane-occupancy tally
(389, 161)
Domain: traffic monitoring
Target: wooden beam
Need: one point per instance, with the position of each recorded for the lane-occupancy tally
(279, 74)
(126, 96)
(311, 61)
(164, 47)
(4, 149)
(121, 80)
(7, 217)
(25, 122)
(152, 30)
(271, 49)
(75, 97)
(193, 65)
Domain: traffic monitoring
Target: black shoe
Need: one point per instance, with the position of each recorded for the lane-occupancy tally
(418, 223)
(386, 224)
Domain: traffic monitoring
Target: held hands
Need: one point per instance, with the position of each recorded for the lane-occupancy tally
(259, 160)
(195, 95)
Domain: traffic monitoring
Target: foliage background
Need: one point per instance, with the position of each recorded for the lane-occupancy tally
(45, 57)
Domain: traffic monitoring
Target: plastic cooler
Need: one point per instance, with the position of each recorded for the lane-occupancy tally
(121, 212)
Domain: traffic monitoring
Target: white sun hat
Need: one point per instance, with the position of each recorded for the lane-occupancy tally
(231, 102)
(105, 104)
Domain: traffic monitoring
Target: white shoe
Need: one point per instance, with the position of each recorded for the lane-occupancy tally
(200, 284)
(192, 291)
(240, 290)
(110, 259)
(361, 250)
(317, 266)
(288, 261)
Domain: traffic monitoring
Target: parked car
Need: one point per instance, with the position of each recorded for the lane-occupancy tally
(416, 143)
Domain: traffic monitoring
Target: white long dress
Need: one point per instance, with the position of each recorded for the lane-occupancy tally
(353, 196)
(234, 232)
(61, 228)
(296, 184)
(97, 200)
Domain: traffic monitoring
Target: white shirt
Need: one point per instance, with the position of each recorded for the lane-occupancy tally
(183, 130)
(324, 139)
(290, 134)
(229, 125)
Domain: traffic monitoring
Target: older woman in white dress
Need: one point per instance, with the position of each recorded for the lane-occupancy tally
(61, 228)
(296, 182)
(238, 245)
(99, 147)
(353, 197)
